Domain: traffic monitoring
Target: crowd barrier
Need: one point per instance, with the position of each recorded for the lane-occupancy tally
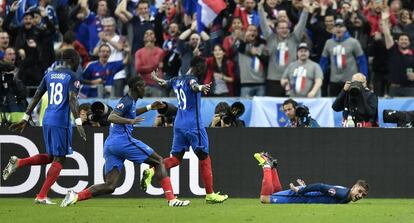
(267, 111)
(382, 156)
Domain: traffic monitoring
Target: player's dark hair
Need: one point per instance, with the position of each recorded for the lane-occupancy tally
(363, 184)
(198, 67)
(69, 57)
(290, 101)
(135, 81)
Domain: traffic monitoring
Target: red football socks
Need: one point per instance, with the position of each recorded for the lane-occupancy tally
(267, 186)
(38, 159)
(51, 178)
(166, 186)
(276, 182)
(206, 174)
(171, 162)
(84, 195)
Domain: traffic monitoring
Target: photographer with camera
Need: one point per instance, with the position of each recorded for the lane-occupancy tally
(166, 116)
(228, 116)
(298, 115)
(358, 103)
(13, 102)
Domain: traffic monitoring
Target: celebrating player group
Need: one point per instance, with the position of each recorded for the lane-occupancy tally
(62, 89)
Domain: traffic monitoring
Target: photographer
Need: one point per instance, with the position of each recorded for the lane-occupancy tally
(228, 116)
(13, 95)
(166, 116)
(298, 115)
(358, 103)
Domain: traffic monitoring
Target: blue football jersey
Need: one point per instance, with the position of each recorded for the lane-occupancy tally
(125, 107)
(58, 83)
(189, 102)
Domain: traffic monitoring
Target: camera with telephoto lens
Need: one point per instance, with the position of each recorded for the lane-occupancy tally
(302, 112)
(168, 113)
(236, 110)
(355, 89)
(100, 113)
(6, 72)
(401, 118)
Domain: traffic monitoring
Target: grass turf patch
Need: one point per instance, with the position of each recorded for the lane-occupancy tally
(234, 210)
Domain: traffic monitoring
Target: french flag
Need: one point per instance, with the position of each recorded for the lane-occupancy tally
(207, 11)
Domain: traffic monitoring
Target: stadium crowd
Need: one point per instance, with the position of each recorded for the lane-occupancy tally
(297, 48)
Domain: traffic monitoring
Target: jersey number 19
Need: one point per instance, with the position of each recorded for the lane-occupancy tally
(182, 100)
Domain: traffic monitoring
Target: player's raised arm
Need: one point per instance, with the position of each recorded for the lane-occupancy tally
(205, 88)
(20, 126)
(74, 108)
(160, 81)
(153, 106)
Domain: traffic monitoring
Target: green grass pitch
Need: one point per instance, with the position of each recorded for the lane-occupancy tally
(234, 210)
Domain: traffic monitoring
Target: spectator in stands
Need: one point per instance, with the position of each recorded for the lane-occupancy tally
(198, 45)
(140, 23)
(298, 115)
(220, 72)
(101, 72)
(4, 43)
(252, 55)
(405, 25)
(400, 61)
(359, 29)
(281, 46)
(303, 76)
(88, 23)
(10, 56)
(247, 13)
(172, 61)
(373, 14)
(149, 59)
(236, 30)
(358, 104)
(379, 54)
(117, 44)
(70, 41)
(345, 56)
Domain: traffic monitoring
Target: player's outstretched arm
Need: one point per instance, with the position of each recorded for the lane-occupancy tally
(160, 81)
(20, 126)
(74, 105)
(205, 88)
(153, 106)
(117, 118)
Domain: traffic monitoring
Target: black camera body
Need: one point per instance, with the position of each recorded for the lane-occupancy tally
(168, 113)
(401, 118)
(302, 112)
(100, 113)
(232, 118)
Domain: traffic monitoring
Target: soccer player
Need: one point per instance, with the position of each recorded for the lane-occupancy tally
(188, 127)
(62, 89)
(318, 193)
(120, 145)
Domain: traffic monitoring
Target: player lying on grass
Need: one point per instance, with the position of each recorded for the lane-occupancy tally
(120, 145)
(318, 193)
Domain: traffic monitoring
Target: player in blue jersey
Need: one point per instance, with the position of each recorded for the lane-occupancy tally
(188, 126)
(120, 145)
(306, 194)
(62, 89)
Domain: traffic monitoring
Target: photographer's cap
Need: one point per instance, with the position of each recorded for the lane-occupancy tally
(339, 22)
(302, 46)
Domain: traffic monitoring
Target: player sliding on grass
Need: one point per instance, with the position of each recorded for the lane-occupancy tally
(314, 193)
(62, 89)
(188, 127)
(120, 145)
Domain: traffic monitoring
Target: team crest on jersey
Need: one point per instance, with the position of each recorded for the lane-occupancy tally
(332, 191)
(77, 84)
(120, 106)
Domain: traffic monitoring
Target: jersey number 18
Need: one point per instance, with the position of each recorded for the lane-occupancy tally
(56, 95)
